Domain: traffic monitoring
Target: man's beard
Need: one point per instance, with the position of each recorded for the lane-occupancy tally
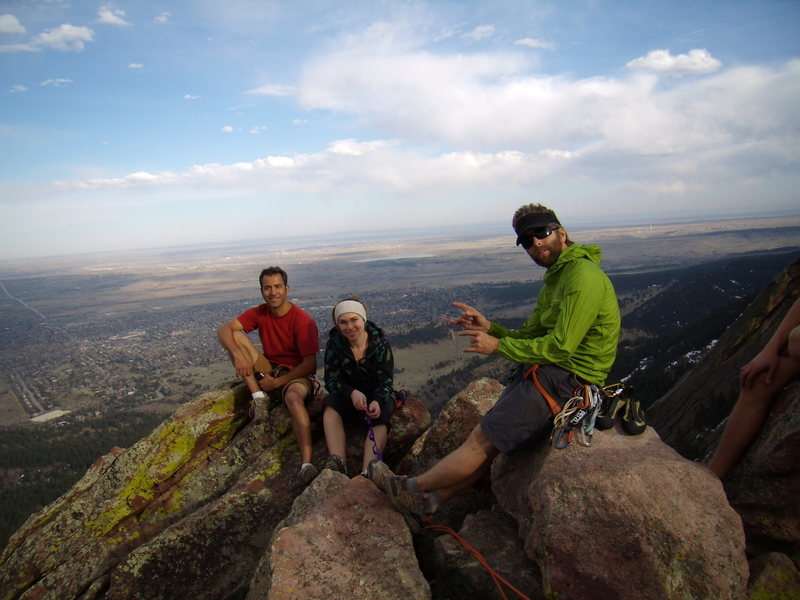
(545, 256)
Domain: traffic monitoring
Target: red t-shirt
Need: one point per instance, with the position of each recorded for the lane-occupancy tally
(287, 339)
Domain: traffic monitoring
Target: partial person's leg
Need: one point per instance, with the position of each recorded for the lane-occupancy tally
(461, 468)
(295, 397)
(335, 438)
(381, 433)
(749, 413)
(252, 352)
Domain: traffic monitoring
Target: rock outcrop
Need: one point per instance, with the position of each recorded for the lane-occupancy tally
(187, 512)
(764, 488)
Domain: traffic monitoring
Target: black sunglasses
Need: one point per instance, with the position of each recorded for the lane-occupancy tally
(540, 233)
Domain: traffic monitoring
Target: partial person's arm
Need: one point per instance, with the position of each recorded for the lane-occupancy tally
(241, 361)
(767, 359)
(580, 303)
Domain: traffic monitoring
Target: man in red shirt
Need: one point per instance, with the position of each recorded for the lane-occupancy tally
(286, 368)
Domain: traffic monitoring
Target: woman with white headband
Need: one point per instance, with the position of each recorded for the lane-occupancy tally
(358, 378)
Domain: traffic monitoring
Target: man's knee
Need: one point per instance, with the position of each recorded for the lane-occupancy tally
(295, 395)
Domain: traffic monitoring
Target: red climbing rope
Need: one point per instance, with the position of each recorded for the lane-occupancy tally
(496, 577)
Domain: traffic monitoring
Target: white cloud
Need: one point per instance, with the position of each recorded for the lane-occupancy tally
(352, 147)
(534, 43)
(480, 33)
(299, 122)
(271, 90)
(56, 82)
(258, 129)
(163, 18)
(9, 25)
(697, 62)
(17, 89)
(136, 66)
(227, 129)
(18, 48)
(190, 97)
(66, 38)
(109, 16)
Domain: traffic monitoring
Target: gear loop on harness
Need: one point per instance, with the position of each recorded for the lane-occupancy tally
(577, 414)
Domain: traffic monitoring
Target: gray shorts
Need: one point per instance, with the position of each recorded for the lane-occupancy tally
(521, 415)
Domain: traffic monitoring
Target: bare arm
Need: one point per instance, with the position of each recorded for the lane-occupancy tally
(767, 359)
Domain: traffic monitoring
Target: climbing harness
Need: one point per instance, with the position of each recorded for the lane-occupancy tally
(577, 415)
(375, 448)
(496, 577)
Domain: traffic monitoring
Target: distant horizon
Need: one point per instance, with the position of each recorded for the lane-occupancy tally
(309, 242)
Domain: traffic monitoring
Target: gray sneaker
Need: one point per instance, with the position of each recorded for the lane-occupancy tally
(258, 408)
(380, 474)
(416, 507)
(307, 473)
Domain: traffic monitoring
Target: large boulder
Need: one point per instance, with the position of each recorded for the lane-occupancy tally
(341, 543)
(626, 518)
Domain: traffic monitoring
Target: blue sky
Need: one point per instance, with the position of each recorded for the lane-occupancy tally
(155, 123)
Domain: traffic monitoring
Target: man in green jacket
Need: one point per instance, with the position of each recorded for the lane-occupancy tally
(570, 339)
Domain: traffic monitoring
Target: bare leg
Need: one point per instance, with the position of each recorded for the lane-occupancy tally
(334, 432)
(461, 468)
(250, 350)
(294, 397)
(749, 414)
(380, 441)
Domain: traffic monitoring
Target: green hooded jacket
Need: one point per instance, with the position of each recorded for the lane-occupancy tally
(575, 324)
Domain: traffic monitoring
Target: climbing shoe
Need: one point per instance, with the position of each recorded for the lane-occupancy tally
(379, 473)
(335, 463)
(611, 409)
(633, 418)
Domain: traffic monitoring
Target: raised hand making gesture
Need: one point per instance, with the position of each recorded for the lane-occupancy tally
(477, 327)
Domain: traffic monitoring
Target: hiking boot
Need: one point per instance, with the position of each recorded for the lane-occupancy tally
(379, 473)
(335, 463)
(307, 473)
(417, 508)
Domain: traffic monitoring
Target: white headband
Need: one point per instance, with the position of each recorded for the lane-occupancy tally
(349, 306)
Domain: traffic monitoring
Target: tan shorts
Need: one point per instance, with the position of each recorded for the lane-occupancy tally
(264, 366)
